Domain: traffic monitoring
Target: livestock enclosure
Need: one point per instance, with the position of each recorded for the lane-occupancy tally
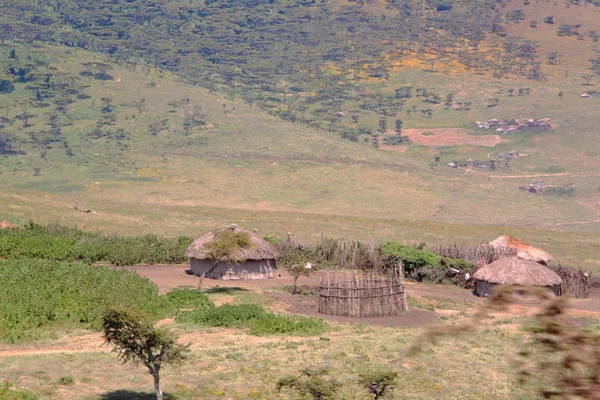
(362, 294)
(576, 282)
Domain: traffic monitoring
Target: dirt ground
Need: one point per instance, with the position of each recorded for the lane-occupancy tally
(168, 277)
(308, 305)
(449, 137)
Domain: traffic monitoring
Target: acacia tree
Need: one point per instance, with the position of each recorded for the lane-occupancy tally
(311, 382)
(300, 262)
(378, 382)
(136, 340)
(223, 248)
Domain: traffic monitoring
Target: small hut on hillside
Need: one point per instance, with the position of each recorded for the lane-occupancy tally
(515, 271)
(506, 246)
(257, 260)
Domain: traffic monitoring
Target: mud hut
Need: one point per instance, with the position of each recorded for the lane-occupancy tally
(506, 246)
(256, 260)
(515, 271)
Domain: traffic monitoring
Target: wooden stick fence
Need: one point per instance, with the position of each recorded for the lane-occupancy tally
(361, 294)
(576, 282)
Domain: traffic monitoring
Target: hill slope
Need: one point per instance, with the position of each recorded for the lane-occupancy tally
(117, 132)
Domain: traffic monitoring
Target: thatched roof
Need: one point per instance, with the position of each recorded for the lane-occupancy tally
(259, 250)
(517, 271)
(508, 246)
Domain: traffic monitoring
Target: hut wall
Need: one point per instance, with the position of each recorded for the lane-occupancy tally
(484, 289)
(250, 269)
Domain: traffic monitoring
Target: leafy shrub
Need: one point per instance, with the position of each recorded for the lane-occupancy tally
(283, 324)
(66, 380)
(226, 315)
(8, 392)
(37, 294)
(6, 86)
(71, 244)
(255, 317)
(311, 382)
(378, 382)
(190, 298)
(410, 257)
(272, 239)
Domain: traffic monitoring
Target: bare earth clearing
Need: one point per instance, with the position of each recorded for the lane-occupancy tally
(449, 137)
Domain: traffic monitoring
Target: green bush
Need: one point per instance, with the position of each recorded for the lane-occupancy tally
(8, 392)
(255, 317)
(291, 325)
(71, 244)
(226, 315)
(66, 380)
(410, 257)
(190, 298)
(37, 294)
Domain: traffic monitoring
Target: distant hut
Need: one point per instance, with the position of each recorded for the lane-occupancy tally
(515, 271)
(256, 261)
(506, 246)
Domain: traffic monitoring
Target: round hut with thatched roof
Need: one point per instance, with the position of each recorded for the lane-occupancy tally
(232, 253)
(506, 246)
(515, 271)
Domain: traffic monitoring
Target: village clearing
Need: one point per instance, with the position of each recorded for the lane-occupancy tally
(228, 363)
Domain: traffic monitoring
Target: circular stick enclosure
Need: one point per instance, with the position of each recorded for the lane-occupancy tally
(361, 294)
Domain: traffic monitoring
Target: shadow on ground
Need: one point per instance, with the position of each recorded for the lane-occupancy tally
(224, 289)
(131, 395)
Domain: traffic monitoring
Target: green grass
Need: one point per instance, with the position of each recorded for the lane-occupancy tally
(265, 173)
(38, 295)
(189, 298)
(234, 364)
(256, 318)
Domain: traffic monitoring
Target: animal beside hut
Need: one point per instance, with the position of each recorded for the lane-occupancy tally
(515, 271)
(506, 246)
(232, 253)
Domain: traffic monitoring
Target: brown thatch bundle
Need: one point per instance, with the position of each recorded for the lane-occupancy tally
(517, 271)
(259, 249)
(508, 246)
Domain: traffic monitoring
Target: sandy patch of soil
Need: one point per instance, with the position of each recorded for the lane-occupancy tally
(449, 137)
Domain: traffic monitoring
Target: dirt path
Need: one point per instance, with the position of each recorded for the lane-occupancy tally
(539, 175)
(87, 343)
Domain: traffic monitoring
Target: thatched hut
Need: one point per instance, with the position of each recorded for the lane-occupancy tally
(515, 271)
(506, 246)
(257, 260)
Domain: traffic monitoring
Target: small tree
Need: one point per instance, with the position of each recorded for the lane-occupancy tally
(378, 382)
(311, 382)
(223, 248)
(136, 340)
(297, 263)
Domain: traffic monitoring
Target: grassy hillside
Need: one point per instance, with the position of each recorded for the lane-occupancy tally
(129, 137)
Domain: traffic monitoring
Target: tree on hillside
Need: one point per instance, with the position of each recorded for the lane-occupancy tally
(136, 340)
(6, 86)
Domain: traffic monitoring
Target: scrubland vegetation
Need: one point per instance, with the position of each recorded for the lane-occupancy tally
(148, 123)
(60, 243)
